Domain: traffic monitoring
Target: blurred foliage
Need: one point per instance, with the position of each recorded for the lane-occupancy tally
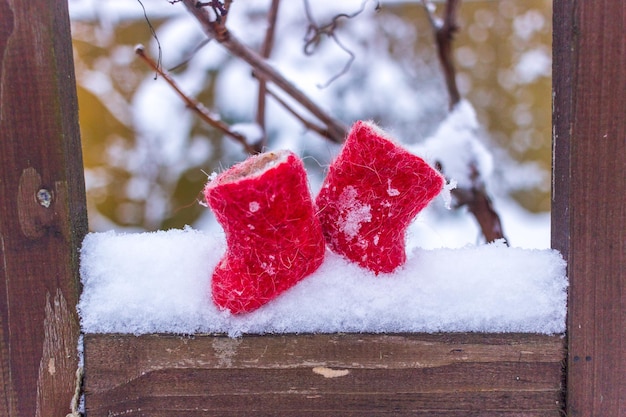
(131, 184)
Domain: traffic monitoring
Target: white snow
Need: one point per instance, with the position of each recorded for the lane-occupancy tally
(446, 193)
(251, 131)
(533, 64)
(456, 146)
(355, 212)
(253, 207)
(159, 282)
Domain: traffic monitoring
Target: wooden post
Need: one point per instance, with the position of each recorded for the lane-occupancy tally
(589, 207)
(42, 209)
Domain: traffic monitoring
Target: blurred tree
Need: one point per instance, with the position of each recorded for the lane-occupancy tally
(145, 154)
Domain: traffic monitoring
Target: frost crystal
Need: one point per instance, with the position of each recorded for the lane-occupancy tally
(392, 192)
(355, 212)
(254, 207)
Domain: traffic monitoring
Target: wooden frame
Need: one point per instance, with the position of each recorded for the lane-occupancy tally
(43, 220)
(325, 375)
(589, 207)
(43, 216)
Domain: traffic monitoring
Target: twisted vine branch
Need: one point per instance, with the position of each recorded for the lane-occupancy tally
(315, 33)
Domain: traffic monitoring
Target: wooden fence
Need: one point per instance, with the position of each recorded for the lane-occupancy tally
(43, 220)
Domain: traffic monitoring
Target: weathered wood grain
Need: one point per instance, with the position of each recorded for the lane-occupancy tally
(42, 209)
(589, 209)
(435, 375)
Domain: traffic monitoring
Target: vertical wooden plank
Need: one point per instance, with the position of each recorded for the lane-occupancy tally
(589, 210)
(42, 209)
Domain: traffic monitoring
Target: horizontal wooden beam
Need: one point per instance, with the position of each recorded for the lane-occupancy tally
(339, 374)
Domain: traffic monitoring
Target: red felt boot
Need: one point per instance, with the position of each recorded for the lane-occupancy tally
(273, 237)
(372, 192)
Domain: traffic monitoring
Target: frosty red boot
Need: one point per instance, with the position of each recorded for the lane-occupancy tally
(273, 237)
(372, 192)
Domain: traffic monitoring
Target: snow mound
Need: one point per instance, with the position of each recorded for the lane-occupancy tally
(159, 282)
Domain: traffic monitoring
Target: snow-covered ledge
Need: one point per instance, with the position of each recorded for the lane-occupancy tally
(159, 282)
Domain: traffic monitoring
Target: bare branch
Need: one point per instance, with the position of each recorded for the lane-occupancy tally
(345, 68)
(316, 32)
(194, 105)
(476, 197)
(337, 130)
(444, 35)
(479, 204)
(219, 9)
(268, 43)
(307, 123)
(266, 51)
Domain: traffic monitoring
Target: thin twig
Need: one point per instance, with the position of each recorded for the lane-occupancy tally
(307, 123)
(190, 55)
(154, 35)
(480, 205)
(336, 129)
(266, 51)
(194, 105)
(315, 33)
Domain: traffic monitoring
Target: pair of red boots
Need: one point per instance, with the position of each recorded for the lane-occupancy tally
(276, 236)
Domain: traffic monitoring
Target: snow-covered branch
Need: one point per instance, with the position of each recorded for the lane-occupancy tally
(471, 191)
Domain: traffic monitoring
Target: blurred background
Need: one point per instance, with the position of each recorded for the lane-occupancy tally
(147, 156)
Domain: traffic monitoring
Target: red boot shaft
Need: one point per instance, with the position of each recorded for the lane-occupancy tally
(372, 192)
(273, 237)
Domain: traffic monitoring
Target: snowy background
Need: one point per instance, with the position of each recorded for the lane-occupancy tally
(147, 156)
